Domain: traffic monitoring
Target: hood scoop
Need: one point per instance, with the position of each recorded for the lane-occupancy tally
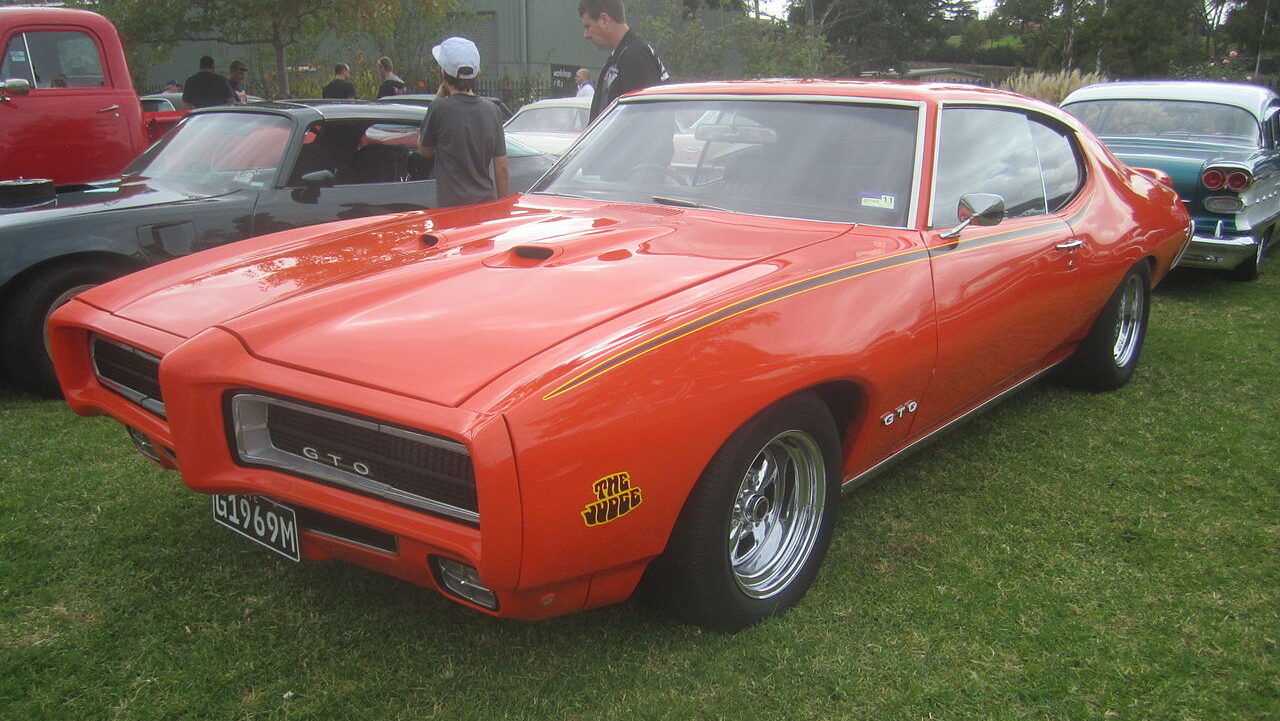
(524, 256)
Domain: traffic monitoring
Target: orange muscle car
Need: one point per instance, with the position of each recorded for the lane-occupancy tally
(642, 373)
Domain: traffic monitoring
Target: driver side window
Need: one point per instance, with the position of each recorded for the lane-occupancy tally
(361, 153)
(986, 150)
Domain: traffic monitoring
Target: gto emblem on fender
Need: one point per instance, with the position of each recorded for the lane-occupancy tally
(899, 412)
(336, 461)
(615, 498)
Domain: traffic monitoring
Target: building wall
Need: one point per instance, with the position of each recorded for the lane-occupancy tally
(519, 40)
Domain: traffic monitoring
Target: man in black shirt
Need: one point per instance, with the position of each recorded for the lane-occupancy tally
(391, 83)
(206, 87)
(632, 63)
(340, 88)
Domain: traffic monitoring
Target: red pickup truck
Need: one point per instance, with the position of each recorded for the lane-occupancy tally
(68, 110)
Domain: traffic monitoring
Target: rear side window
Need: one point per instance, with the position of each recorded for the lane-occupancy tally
(1059, 164)
(47, 59)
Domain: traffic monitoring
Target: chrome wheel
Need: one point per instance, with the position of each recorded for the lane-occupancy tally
(777, 514)
(1129, 320)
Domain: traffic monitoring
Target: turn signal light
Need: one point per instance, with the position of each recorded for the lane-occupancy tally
(1239, 180)
(1213, 179)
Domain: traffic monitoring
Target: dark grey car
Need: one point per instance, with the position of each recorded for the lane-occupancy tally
(224, 174)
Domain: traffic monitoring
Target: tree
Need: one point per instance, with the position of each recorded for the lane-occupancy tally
(874, 34)
(278, 24)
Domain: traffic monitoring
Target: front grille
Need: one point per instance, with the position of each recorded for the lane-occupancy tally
(133, 373)
(356, 453)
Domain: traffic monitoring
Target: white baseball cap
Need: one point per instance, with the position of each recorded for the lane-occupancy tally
(458, 57)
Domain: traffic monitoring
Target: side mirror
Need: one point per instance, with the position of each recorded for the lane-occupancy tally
(977, 209)
(321, 179)
(16, 86)
(312, 182)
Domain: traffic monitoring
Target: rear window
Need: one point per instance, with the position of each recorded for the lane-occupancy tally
(1152, 118)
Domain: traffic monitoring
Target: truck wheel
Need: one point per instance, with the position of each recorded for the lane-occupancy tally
(1252, 268)
(25, 355)
(1107, 357)
(757, 525)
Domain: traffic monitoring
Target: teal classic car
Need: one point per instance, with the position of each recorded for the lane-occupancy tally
(1219, 143)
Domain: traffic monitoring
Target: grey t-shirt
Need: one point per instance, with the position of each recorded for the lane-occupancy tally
(467, 135)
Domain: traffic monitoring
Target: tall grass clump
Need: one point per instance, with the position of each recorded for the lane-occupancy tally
(1050, 87)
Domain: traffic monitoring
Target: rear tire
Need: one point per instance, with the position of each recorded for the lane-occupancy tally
(25, 354)
(1252, 268)
(1108, 356)
(756, 526)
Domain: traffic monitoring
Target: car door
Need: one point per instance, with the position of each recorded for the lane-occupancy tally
(73, 125)
(374, 169)
(1006, 295)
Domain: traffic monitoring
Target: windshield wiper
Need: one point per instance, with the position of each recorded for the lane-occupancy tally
(681, 203)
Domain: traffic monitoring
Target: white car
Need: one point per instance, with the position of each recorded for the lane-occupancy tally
(550, 125)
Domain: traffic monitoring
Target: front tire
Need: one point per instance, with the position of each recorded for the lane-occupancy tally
(25, 353)
(1108, 356)
(756, 526)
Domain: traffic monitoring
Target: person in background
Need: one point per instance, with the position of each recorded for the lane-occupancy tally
(172, 86)
(391, 83)
(463, 132)
(235, 77)
(341, 87)
(632, 63)
(583, 79)
(207, 88)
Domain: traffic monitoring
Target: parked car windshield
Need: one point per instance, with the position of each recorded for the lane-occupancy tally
(1168, 118)
(839, 162)
(553, 120)
(215, 153)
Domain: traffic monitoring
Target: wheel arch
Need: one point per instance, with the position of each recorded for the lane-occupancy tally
(102, 259)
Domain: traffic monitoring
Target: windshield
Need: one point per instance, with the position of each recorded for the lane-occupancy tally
(1168, 118)
(553, 120)
(840, 162)
(214, 153)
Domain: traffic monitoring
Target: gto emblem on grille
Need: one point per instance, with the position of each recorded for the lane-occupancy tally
(336, 461)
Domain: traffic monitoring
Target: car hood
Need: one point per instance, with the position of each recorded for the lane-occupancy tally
(103, 196)
(1181, 159)
(435, 305)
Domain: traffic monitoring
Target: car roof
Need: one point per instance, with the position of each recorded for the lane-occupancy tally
(325, 109)
(41, 14)
(929, 93)
(574, 102)
(1253, 98)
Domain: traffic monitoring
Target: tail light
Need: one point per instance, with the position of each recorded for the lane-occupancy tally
(1226, 178)
(1239, 180)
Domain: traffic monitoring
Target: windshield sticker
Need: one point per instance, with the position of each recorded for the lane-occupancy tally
(615, 498)
(17, 56)
(884, 201)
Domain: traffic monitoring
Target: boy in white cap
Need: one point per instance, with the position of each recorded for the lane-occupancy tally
(463, 132)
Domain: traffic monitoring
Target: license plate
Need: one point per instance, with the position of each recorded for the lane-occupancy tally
(260, 520)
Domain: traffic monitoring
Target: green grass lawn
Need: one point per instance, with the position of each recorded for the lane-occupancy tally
(1065, 556)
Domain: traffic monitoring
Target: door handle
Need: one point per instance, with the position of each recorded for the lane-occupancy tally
(1070, 244)
(109, 108)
